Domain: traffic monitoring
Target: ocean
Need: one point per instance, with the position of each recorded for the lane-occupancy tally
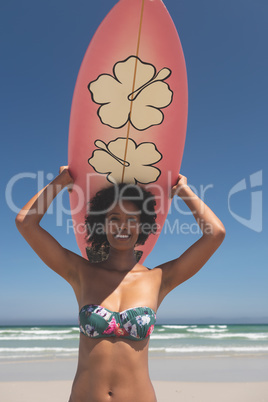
(51, 342)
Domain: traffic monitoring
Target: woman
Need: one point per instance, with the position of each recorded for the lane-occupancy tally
(116, 293)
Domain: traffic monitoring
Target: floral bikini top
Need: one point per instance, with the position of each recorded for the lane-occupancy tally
(134, 323)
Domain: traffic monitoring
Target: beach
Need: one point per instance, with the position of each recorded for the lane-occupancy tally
(202, 363)
(57, 391)
(236, 379)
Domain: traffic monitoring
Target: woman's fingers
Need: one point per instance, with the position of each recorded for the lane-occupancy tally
(181, 182)
(64, 171)
(62, 168)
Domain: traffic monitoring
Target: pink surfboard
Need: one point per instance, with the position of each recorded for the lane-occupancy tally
(129, 110)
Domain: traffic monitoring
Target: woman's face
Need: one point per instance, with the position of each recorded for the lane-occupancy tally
(123, 225)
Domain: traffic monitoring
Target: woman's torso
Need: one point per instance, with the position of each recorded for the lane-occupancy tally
(114, 368)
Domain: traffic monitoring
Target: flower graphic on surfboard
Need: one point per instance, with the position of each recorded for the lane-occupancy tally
(109, 159)
(131, 88)
(138, 101)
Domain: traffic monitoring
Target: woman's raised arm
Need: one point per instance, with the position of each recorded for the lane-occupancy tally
(46, 247)
(192, 260)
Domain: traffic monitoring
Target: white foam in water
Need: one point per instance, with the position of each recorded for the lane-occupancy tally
(38, 349)
(157, 349)
(175, 326)
(203, 330)
(168, 336)
(35, 332)
(257, 336)
(210, 349)
(14, 353)
(39, 338)
(43, 332)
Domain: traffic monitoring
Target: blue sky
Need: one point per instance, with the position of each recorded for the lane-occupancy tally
(225, 47)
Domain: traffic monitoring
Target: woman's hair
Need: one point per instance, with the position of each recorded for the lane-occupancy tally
(106, 199)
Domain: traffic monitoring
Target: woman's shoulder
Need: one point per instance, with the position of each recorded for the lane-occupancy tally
(150, 273)
(80, 263)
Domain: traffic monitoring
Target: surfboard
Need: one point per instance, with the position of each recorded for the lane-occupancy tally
(129, 110)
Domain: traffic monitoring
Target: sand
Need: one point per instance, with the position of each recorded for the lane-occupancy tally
(232, 379)
(166, 391)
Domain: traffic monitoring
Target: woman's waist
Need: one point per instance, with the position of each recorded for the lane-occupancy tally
(112, 382)
(85, 389)
(113, 357)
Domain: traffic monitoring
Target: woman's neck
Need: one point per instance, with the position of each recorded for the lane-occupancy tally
(121, 260)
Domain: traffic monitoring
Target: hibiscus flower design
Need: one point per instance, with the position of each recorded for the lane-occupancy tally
(135, 93)
(120, 331)
(103, 313)
(131, 329)
(143, 320)
(123, 315)
(90, 330)
(111, 327)
(109, 159)
(150, 331)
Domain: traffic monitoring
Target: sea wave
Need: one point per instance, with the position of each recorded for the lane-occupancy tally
(210, 349)
(252, 336)
(36, 352)
(168, 336)
(38, 349)
(203, 330)
(35, 332)
(40, 338)
(175, 326)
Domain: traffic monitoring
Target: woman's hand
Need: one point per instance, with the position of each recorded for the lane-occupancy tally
(179, 187)
(66, 177)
